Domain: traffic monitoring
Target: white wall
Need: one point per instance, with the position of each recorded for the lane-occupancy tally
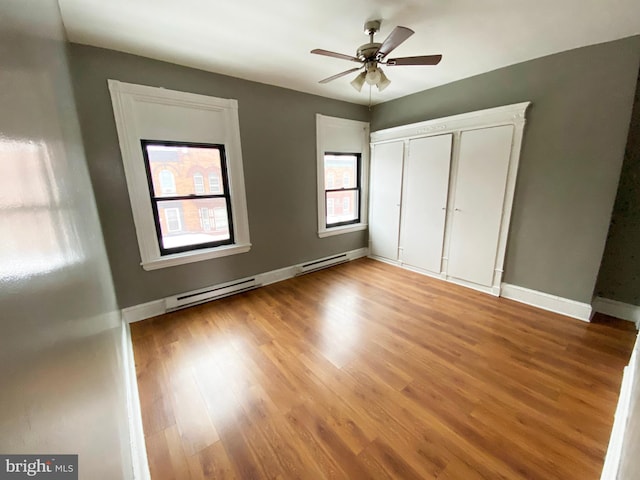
(630, 461)
(61, 383)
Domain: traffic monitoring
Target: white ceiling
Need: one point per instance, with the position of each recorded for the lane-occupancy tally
(269, 41)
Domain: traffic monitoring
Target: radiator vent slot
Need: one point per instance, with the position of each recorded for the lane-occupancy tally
(201, 296)
(324, 263)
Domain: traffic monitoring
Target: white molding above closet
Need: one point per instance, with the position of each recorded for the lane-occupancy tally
(508, 114)
(475, 198)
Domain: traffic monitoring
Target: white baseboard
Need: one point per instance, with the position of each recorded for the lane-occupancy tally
(546, 301)
(143, 311)
(138, 449)
(158, 307)
(623, 311)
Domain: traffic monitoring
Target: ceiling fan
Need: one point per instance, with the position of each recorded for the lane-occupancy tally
(371, 55)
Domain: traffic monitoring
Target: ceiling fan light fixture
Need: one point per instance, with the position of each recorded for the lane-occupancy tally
(384, 81)
(373, 76)
(358, 82)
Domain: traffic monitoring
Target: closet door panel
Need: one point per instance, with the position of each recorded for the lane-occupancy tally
(385, 196)
(483, 165)
(426, 183)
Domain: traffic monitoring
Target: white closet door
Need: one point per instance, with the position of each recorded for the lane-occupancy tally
(385, 194)
(426, 184)
(479, 197)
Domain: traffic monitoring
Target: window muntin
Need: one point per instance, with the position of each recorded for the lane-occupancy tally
(187, 205)
(347, 167)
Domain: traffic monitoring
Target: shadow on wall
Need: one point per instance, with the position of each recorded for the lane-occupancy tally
(619, 277)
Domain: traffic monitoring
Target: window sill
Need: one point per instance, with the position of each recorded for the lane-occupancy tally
(195, 256)
(328, 232)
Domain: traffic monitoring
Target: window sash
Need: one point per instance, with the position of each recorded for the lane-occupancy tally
(357, 189)
(156, 199)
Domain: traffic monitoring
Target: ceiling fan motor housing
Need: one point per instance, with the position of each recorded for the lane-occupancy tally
(367, 52)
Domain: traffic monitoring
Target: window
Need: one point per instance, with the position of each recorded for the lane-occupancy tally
(172, 219)
(331, 178)
(173, 236)
(167, 182)
(349, 194)
(346, 179)
(179, 164)
(198, 184)
(331, 207)
(221, 220)
(214, 183)
(343, 170)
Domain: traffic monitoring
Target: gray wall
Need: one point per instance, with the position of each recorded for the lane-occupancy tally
(277, 129)
(571, 157)
(62, 388)
(619, 277)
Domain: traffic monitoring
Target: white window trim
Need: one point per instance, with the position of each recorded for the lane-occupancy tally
(125, 98)
(354, 139)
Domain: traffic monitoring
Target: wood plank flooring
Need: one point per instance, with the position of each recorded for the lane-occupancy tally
(366, 371)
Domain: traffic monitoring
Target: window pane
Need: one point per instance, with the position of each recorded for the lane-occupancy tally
(181, 170)
(342, 207)
(193, 222)
(340, 171)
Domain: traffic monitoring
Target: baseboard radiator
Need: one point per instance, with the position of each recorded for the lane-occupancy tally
(320, 264)
(201, 296)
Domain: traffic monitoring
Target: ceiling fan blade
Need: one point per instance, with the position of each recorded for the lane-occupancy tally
(333, 77)
(327, 53)
(395, 38)
(421, 60)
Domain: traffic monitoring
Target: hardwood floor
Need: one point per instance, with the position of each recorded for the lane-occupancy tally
(365, 371)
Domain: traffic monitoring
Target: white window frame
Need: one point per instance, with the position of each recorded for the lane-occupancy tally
(152, 113)
(340, 135)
